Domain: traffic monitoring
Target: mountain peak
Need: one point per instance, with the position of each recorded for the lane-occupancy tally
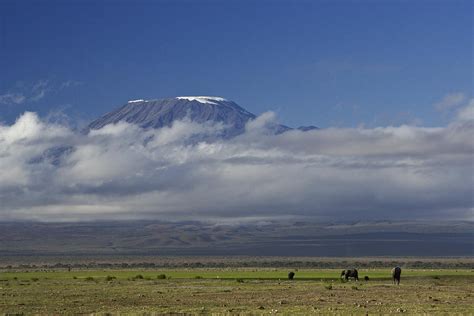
(163, 112)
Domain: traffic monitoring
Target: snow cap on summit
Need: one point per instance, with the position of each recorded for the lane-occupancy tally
(202, 99)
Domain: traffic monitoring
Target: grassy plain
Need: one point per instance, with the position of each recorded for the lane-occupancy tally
(235, 291)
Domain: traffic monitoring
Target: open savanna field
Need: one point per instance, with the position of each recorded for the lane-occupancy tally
(234, 291)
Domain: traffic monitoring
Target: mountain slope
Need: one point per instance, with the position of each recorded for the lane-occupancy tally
(163, 112)
(272, 238)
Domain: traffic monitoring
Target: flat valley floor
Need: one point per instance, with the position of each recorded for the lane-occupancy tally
(235, 291)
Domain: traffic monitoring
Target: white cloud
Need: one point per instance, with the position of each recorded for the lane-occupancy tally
(124, 172)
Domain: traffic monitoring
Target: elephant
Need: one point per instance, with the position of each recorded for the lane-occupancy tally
(351, 273)
(396, 272)
(291, 275)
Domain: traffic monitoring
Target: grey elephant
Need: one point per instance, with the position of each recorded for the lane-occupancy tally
(396, 272)
(351, 273)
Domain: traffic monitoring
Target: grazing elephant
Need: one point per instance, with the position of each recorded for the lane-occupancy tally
(291, 275)
(351, 273)
(396, 272)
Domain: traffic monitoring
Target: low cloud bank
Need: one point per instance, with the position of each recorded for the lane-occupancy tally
(49, 172)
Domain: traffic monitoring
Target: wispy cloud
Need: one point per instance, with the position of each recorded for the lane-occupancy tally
(12, 98)
(34, 92)
(49, 172)
(70, 83)
(39, 90)
(466, 113)
(450, 101)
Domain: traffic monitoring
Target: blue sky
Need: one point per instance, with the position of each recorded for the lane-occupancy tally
(327, 63)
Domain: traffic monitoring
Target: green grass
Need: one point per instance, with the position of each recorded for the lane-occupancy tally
(235, 291)
(257, 274)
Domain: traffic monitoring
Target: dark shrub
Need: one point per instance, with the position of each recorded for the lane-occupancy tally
(109, 278)
(366, 278)
(89, 278)
(138, 276)
(161, 276)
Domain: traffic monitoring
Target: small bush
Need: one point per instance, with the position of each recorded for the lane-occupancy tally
(110, 278)
(138, 276)
(436, 277)
(34, 279)
(328, 287)
(239, 280)
(161, 276)
(89, 278)
(198, 277)
(74, 277)
(354, 287)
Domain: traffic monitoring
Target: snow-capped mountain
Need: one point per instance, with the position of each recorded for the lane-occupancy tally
(200, 109)
(163, 112)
